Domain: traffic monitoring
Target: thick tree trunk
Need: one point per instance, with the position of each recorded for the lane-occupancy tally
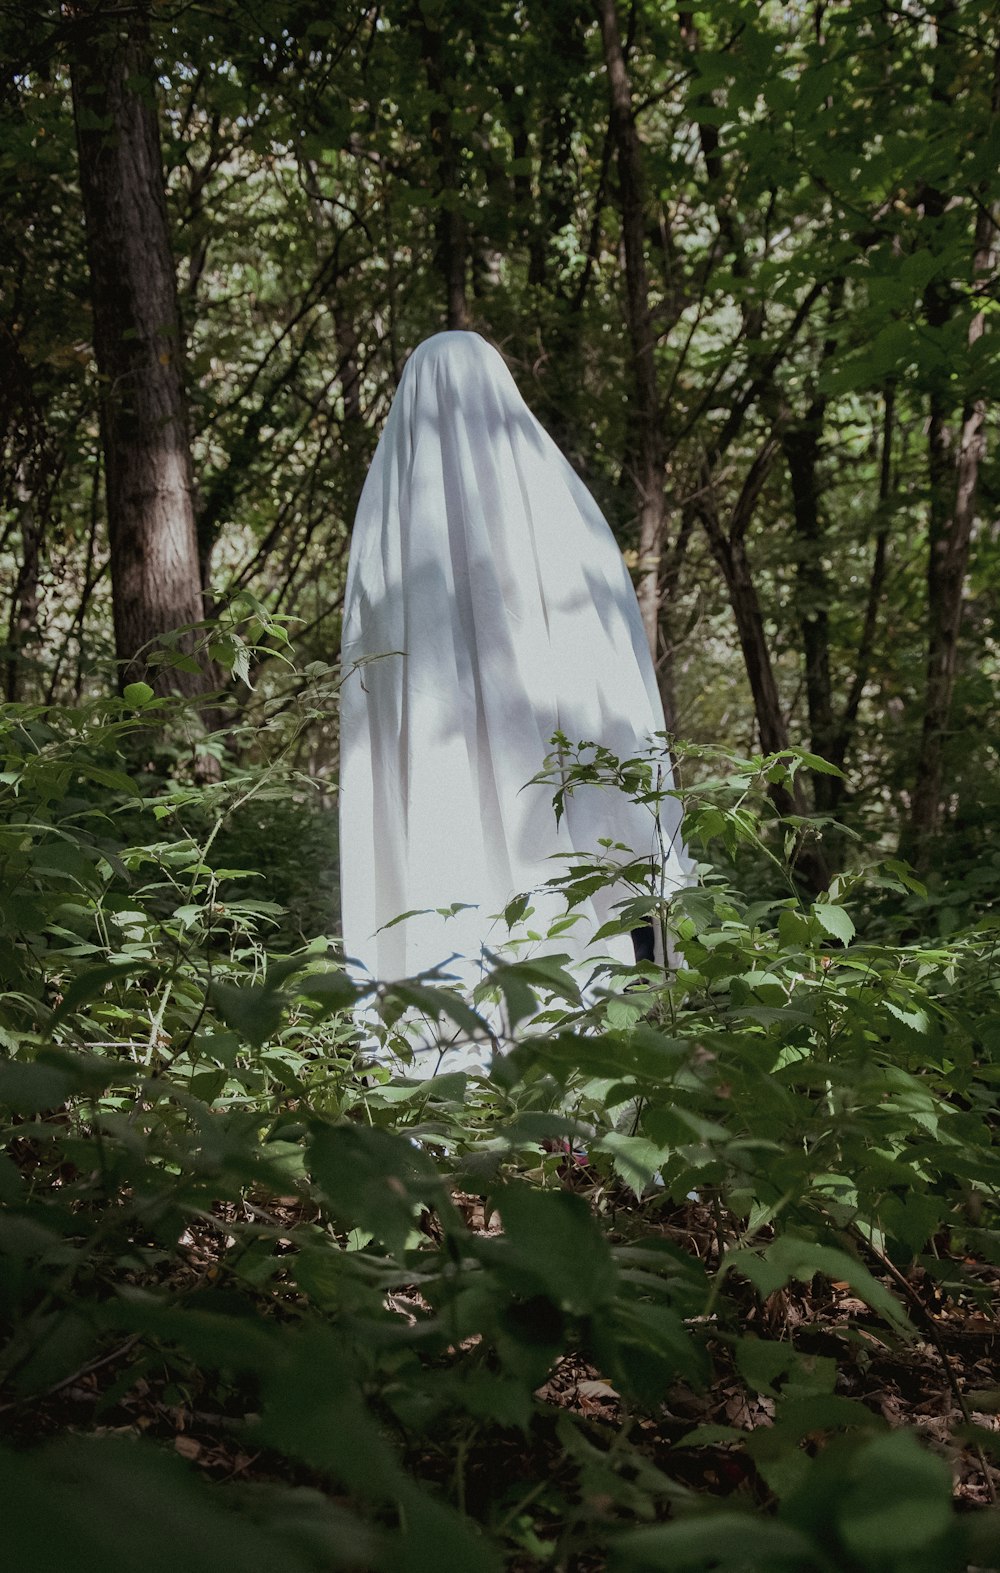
(136, 328)
(648, 440)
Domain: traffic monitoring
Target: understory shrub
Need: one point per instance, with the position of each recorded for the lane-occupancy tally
(369, 1283)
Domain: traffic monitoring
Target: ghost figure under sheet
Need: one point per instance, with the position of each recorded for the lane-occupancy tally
(487, 607)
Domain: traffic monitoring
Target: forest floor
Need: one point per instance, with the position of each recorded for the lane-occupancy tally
(941, 1384)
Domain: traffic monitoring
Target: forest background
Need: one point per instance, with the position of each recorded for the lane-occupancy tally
(742, 262)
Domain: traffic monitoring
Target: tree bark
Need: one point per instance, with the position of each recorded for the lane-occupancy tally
(22, 625)
(650, 476)
(876, 585)
(953, 470)
(801, 444)
(953, 477)
(452, 249)
(728, 547)
(136, 330)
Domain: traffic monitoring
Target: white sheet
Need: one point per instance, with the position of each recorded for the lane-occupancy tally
(490, 606)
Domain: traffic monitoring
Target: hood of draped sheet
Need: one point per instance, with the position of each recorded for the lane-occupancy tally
(487, 607)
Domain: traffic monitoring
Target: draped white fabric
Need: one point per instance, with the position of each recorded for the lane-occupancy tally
(489, 606)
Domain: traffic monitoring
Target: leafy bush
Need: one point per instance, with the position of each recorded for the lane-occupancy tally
(361, 1291)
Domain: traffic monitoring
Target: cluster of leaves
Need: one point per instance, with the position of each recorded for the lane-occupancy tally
(201, 1192)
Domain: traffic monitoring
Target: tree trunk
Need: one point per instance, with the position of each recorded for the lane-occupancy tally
(728, 546)
(136, 330)
(22, 625)
(876, 586)
(648, 442)
(801, 444)
(452, 241)
(953, 481)
(953, 472)
(729, 550)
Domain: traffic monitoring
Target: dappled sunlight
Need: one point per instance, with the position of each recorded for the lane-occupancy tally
(481, 559)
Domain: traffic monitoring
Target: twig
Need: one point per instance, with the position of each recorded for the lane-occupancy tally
(930, 1326)
(84, 1370)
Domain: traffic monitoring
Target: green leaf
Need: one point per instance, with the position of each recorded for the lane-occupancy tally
(514, 911)
(213, 1338)
(816, 763)
(722, 1540)
(899, 1503)
(437, 1003)
(333, 991)
(373, 1179)
(313, 1412)
(788, 1257)
(436, 1539)
(254, 1012)
(772, 1368)
(62, 1509)
(835, 921)
(635, 1159)
(138, 695)
(653, 1346)
(89, 984)
(32, 1088)
(115, 779)
(552, 1242)
(799, 1417)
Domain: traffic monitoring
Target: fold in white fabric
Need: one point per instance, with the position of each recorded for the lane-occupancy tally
(487, 607)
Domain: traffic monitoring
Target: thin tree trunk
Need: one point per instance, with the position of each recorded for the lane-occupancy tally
(876, 585)
(953, 479)
(953, 469)
(349, 370)
(136, 330)
(801, 445)
(801, 441)
(450, 230)
(648, 441)
(728, 546)
(22, 626)
(729, 550)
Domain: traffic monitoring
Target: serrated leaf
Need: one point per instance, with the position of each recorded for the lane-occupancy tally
(635, 1159)
(332, 991)
(116, 780)
(437, 1003)
(835, 921)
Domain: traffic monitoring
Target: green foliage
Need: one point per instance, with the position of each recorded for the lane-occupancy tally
(813, 187)
(201, 1196)
(206, 1209)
